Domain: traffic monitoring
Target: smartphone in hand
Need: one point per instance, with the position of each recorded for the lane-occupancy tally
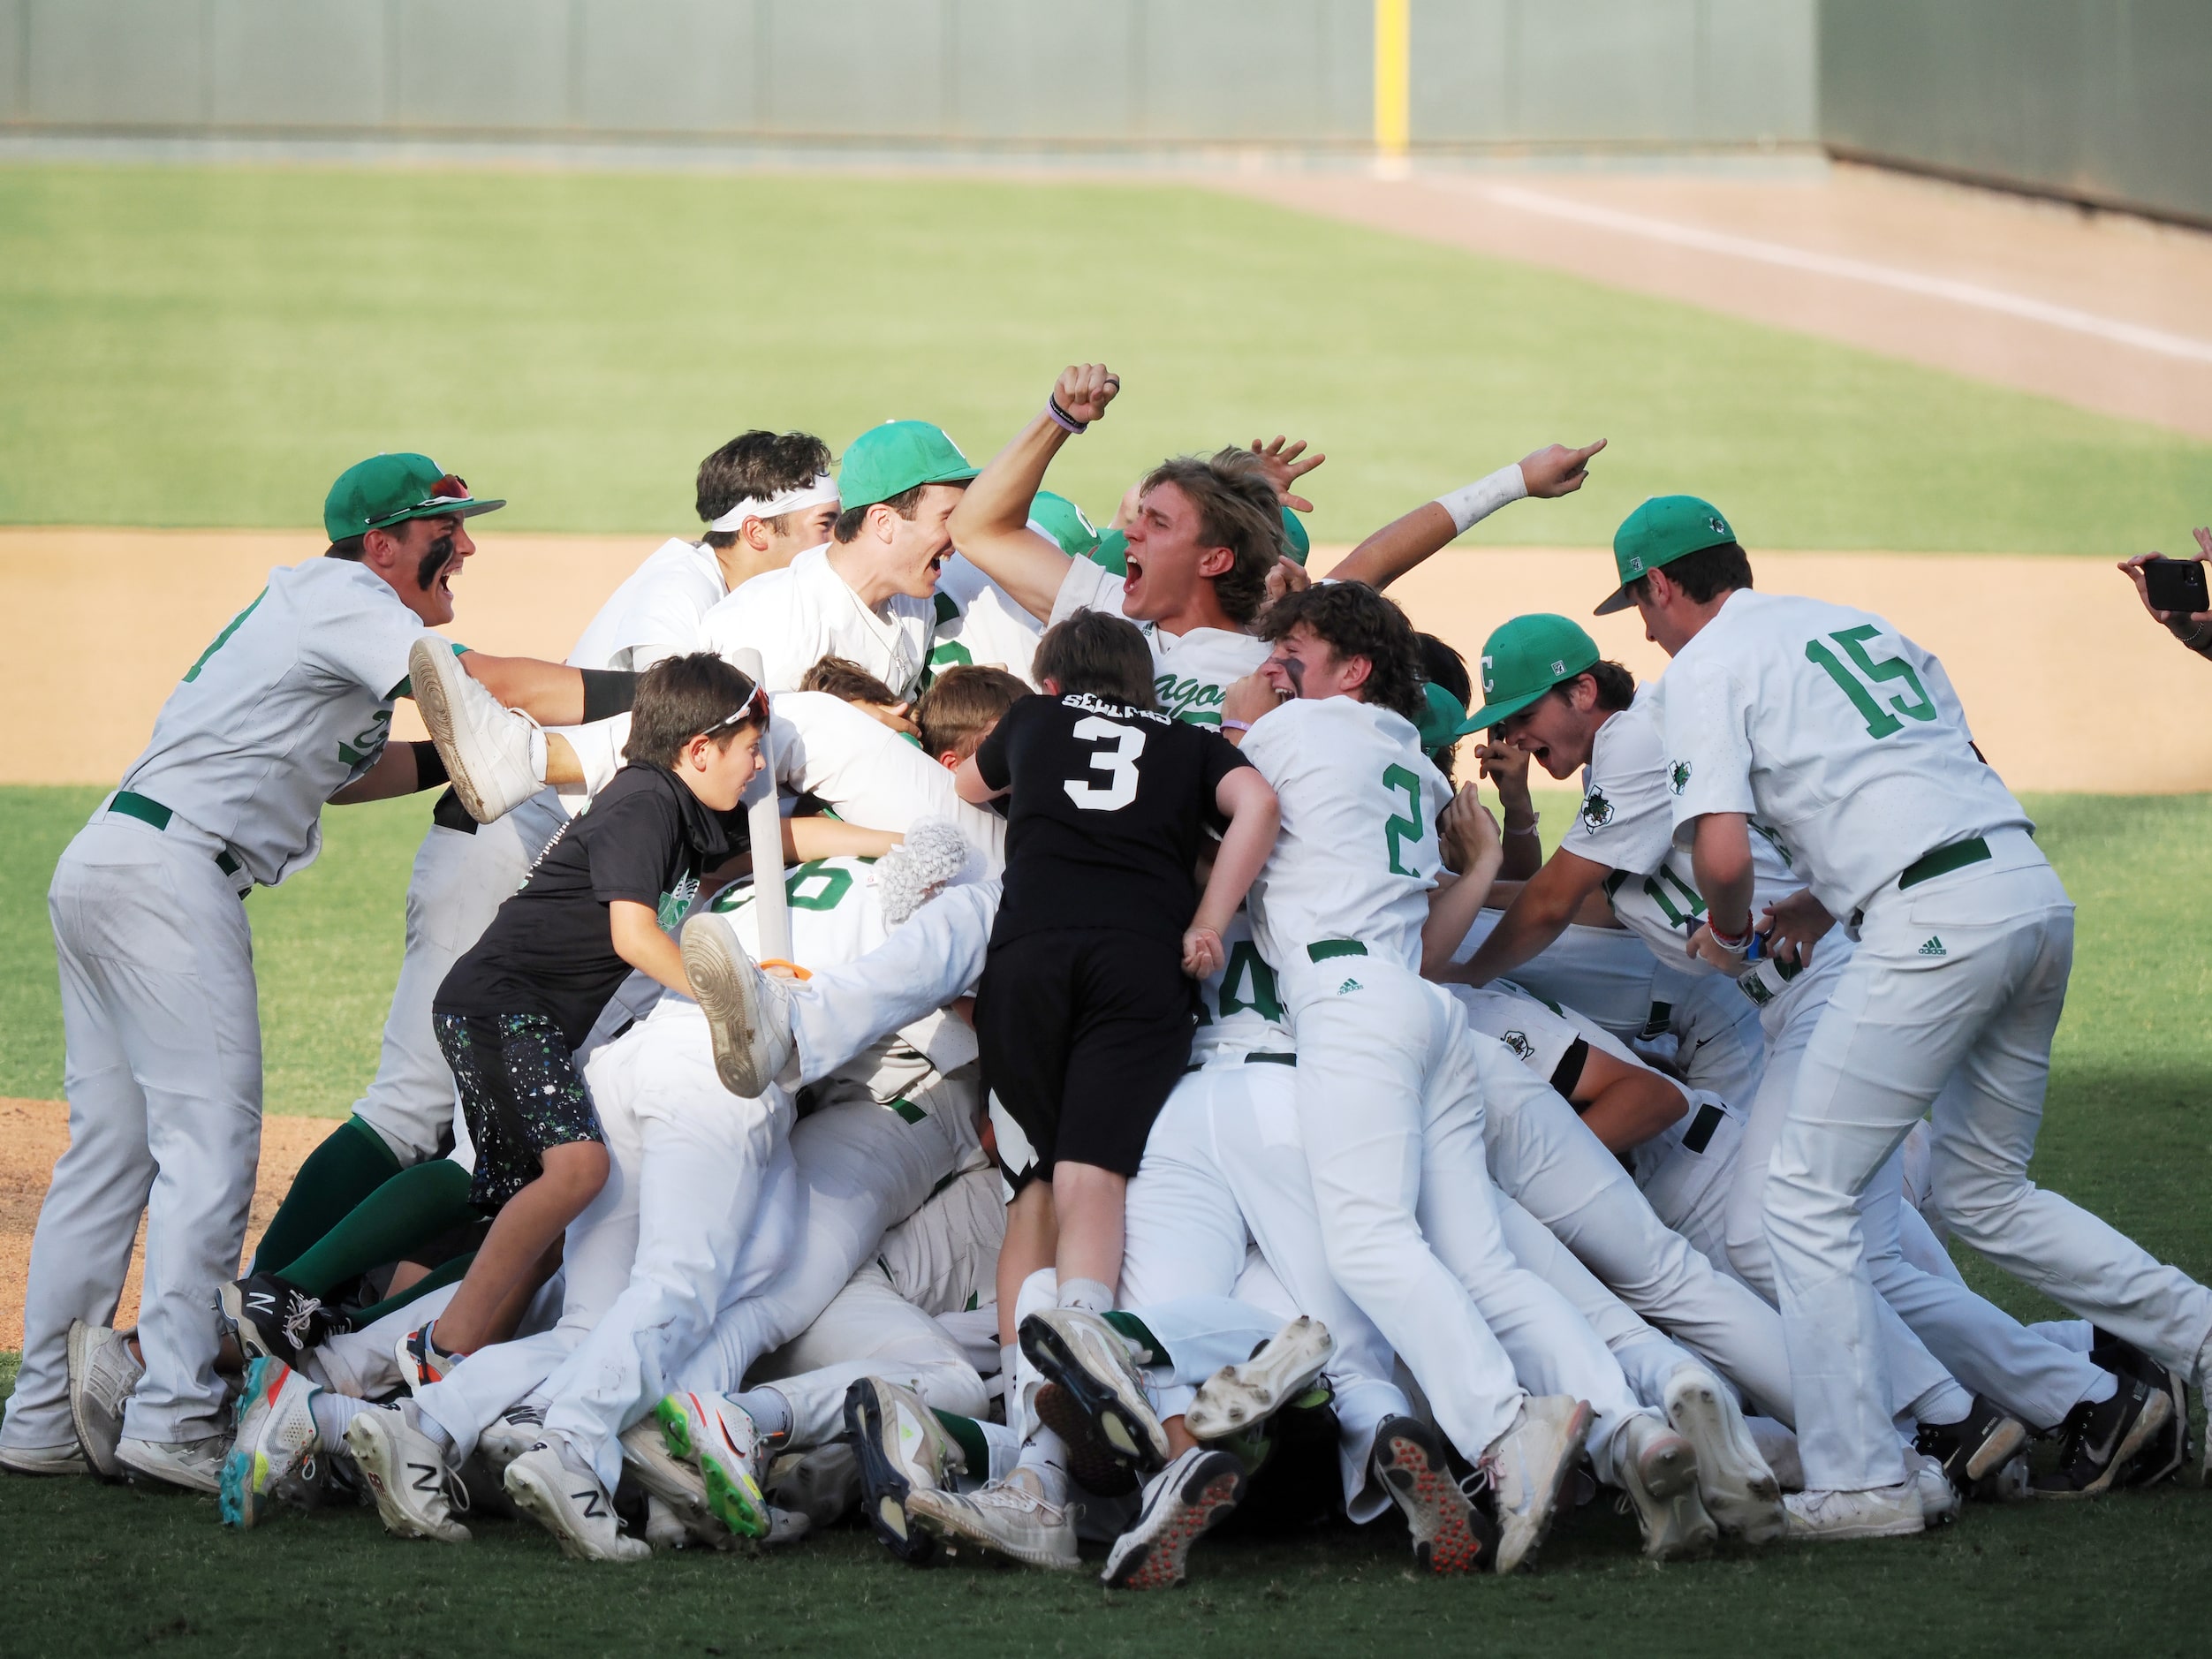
(2176, 584)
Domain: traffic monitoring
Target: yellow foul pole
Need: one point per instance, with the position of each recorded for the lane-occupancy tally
(1393, 76)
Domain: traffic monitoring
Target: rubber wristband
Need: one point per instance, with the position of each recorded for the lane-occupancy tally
(1735, 945)
(1235, 725)
(1526, 829)
(1062, 419)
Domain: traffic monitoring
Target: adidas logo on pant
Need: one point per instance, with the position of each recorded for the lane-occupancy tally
(1933, 947)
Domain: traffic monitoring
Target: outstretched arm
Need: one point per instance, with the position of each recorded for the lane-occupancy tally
(1547, 903)
(1401, 544)
(990, 527)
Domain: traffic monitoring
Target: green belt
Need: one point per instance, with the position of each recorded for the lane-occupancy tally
(148, 810)
(1267, 1057)
(1321, 950)
(1944, 861)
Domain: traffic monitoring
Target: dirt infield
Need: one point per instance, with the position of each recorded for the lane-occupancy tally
(35, 1132)
(2037, 647)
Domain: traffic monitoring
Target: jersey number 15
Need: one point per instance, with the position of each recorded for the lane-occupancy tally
(1880, 722)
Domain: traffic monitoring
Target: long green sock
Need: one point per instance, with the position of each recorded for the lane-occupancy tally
(438, 1278)
(970, 1439)
(406, 1212)
(352, 1162)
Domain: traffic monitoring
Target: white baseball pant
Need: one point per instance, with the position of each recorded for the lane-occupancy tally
(924, 962)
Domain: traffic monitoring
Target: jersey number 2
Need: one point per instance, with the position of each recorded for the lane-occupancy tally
(1397, 830)
(1119, 765)
(1880, 722)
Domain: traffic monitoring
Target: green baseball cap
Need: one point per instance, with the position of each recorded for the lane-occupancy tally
(890, 459)
(388, 490)
(1065, 523)
(1112, 553)
(1443, 722)
(1296, 544)
(1524, 659)
(1660, 531)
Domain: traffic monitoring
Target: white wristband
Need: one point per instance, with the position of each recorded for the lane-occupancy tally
(1469, 506)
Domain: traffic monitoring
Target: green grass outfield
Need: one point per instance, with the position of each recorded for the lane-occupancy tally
(210, 347)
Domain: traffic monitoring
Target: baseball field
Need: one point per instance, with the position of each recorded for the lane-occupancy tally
(193, 354)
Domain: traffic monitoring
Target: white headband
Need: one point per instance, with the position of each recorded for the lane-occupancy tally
(823, 488)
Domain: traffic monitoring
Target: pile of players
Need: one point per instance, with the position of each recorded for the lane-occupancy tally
(938, 1012)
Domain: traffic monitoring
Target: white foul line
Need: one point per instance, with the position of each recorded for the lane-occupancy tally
(1963, 294)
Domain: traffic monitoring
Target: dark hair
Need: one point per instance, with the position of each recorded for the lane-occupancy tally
(1442, 665)
(962, 705)
(1704, 573)
(1354, 620)
(352, 547)
(680, 698)
(1236, 509)
(756, 465)
(1097, 652)
(1616, 685)
(844, 679)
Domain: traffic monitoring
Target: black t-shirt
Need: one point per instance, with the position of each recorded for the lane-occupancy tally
(549, 949)
(1109, 809)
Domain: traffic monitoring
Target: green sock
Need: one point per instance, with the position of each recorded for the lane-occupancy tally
(406, 1212)
(970, 1439)
(352, 1162)
(1150, 1349)
(437, 1279)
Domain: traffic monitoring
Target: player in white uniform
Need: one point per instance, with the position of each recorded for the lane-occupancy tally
(288, 708)
(1847, 743)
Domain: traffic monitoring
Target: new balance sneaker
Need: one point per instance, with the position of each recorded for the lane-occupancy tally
(1237, 1397)
(1526, 1465)
(1890, 1511)
(275, 1448)
(674, 1482)
(1104, 1392)
(1977, 1446)
(276, 1319)
(567, 1500)
(195, 1465)
(902, 1449)
(1194, 1491)
(1659, 1473)
(102, 1372)
(2162, 1456)
(1450, 1535)
(493, 755)
(719, 1436)
(69, 1460)
(748, 1013)
(415, 1492)
(2100, 1438)
(1006, 1516)
(420, 1361)
(1738, 1489)
(511, 1433)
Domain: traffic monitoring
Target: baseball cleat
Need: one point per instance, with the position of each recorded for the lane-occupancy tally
(511, 1433)
(1237, 1397)
(1104, 1393)
(493, 755)
(569, 1503)
(748, 1013)
(1975, 1447)
(1658, 1471)
(1005, 1515)
(407, 1475)
(2100, 1438)
(1890, 1511)
(718, 1435)
(1738, 1489)
(1193, 1492)
(1526, 1465)
(275, 1445)
(102, 1374)
(421, 1362)
(2164, 1454)
(274, 1318)
(1450, 1533)
(902, 1449)
(664, 1531)
(195, 1465)
(1941, 1502)
(69, 1460)
(673, 1482)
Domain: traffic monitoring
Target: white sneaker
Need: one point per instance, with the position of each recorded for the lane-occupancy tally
(903, 1449)
(275, 1444)
(407, 1475)
(1890, 1511)
(513, 1432)
(664, 1529)
(748, 1013)
(1940, 1500)
(1658, 1471)
(102, 1375)
(1191, 1494)
(674, 1482)
(195, 1465)
(1097, 1374)
(1237, 1397)
(494, 755)
(1001, 1515)
(569, 1503)
(66, 1460)
(1526, 1466)
(1739, 1490)
(719, 1436)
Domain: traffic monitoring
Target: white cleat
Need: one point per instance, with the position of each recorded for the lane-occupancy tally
(511, 1433)
(1098, 1378)
(748, 1013)
(1527, 1464)
(1237, 1397)
(275, 1449)
(1002, 1515)
(570, 1504)
(493, 755)
(1658, 1470)
(1940, 1500)
(1739, 1490)
(902, 1449)
(664, 1530)
(1181, 1503)
(719, 1436)
(407, 1475)
(102, 1375)
(195, 1465)
(673, 1482)
(1890, 1511)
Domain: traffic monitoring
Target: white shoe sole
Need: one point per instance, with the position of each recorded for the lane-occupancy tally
(1237, 1395)
(1521, 1536)
(674, 1482)
(1663, 1486)
(434, 675)
(378, 1460)
(1740, 1492)
(945, 1515)
(182, 1476)
(1900, 1526)
(538, 1498)
(730, 995)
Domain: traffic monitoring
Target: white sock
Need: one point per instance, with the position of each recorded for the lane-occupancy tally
(770, 1411)
(1093, 1296)
(1946, 1403)
(1044, 1455)
(1006, 1446)
(332, 1412)
(429, 1428)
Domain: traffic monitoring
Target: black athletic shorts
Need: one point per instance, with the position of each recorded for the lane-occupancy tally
(1083, 1034)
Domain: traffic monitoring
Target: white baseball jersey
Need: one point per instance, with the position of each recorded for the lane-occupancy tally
(287, 705)
(1357, 854)
(1604, 972)
(1241, 1008)
(978, 622)
(1192, 671)
(797, 616)
(656, 611)
(870, 775)
(1833, 729)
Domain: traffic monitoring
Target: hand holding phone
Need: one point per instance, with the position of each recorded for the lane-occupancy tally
(2175, 586)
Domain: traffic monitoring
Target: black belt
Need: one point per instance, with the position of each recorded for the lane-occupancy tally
(146, 810)
(1944, 861)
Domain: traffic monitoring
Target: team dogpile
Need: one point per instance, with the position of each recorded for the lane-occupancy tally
(940, 1014)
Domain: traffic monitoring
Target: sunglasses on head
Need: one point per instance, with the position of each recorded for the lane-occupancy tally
(452, 486)
(754, 707)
